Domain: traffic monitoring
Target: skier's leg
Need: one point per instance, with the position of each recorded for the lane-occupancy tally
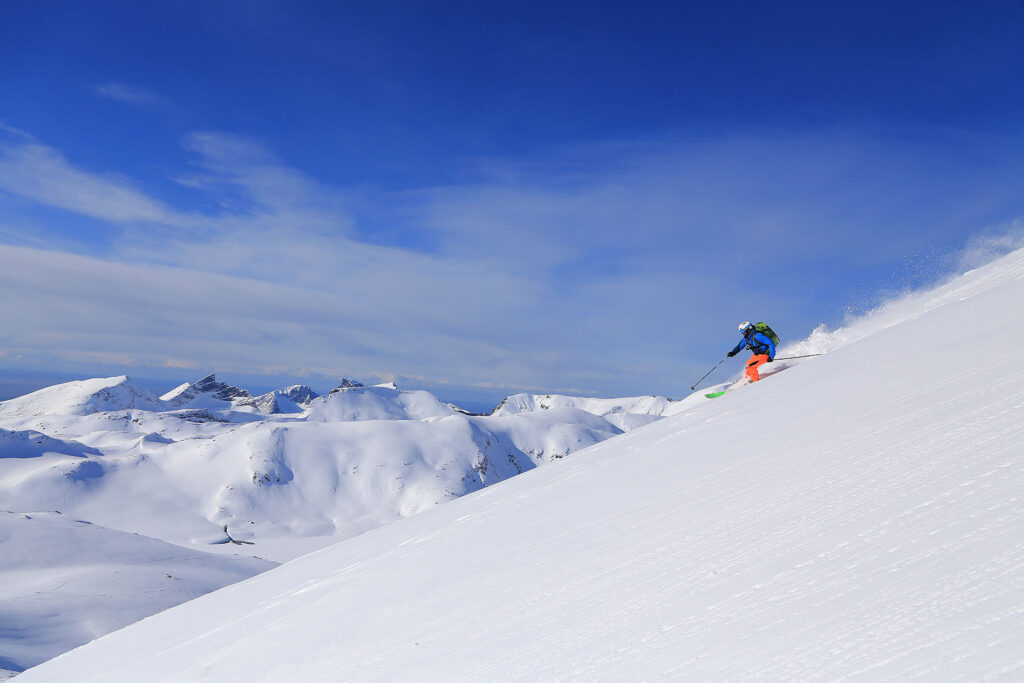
(753, 364)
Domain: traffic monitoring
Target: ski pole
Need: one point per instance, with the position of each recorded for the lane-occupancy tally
(706, 374)
(795, 357)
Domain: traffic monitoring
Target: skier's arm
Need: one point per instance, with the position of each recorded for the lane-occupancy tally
(736, 349)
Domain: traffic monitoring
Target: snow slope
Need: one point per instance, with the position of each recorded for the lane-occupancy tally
(80, 398)
(284, 473)
(64, 582)
(857, 516)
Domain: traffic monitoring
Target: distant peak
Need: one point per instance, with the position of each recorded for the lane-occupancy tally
(297, 396)
(175, 392)
(81, 397)
(210, 386)
(298, 392)
(347, 384)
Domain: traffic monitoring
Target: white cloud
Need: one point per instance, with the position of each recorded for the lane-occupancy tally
(617, 265)
(77, 309)
(40, 173)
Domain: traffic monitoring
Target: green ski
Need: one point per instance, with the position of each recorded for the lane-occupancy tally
(716, 394)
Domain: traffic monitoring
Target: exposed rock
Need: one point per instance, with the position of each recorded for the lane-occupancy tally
(347, 384)
(208, 387)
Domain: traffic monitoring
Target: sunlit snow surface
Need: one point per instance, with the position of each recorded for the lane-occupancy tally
(858, 516)
(64, 582)
(213, 469)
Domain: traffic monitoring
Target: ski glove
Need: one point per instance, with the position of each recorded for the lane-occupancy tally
(770, 359)
(732, 353)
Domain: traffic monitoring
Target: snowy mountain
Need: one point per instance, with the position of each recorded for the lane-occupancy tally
(80, 398)
(293, 399)
(211, 393)
(382, 402)
(624, 413)
(279, 474)
(207, 388)
(856, 516)
(204, 456)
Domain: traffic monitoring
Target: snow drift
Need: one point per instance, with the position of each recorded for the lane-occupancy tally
(857, 516)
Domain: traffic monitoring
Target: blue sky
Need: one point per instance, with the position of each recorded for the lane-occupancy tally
(482, 198)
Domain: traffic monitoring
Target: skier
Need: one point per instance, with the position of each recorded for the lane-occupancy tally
(761, 344)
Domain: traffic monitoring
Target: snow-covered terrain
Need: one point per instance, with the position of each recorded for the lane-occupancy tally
(624, 413)
(65, 582)
(277, 468)
(857, 516)
(212, 468)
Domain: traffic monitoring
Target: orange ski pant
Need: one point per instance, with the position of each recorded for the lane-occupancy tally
(753, 364)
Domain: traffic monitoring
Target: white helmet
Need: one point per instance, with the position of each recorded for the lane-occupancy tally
(744, 326)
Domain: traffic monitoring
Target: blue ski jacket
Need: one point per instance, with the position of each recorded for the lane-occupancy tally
(758, 342)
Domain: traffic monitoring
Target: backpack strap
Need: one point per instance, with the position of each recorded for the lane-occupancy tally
(753, 344)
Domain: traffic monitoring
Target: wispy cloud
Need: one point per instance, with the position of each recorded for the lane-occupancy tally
(603, 265)
(84, 308)
(38, 172)
(132, 94)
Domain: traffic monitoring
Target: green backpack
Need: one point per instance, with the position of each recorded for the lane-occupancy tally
(764, 329)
